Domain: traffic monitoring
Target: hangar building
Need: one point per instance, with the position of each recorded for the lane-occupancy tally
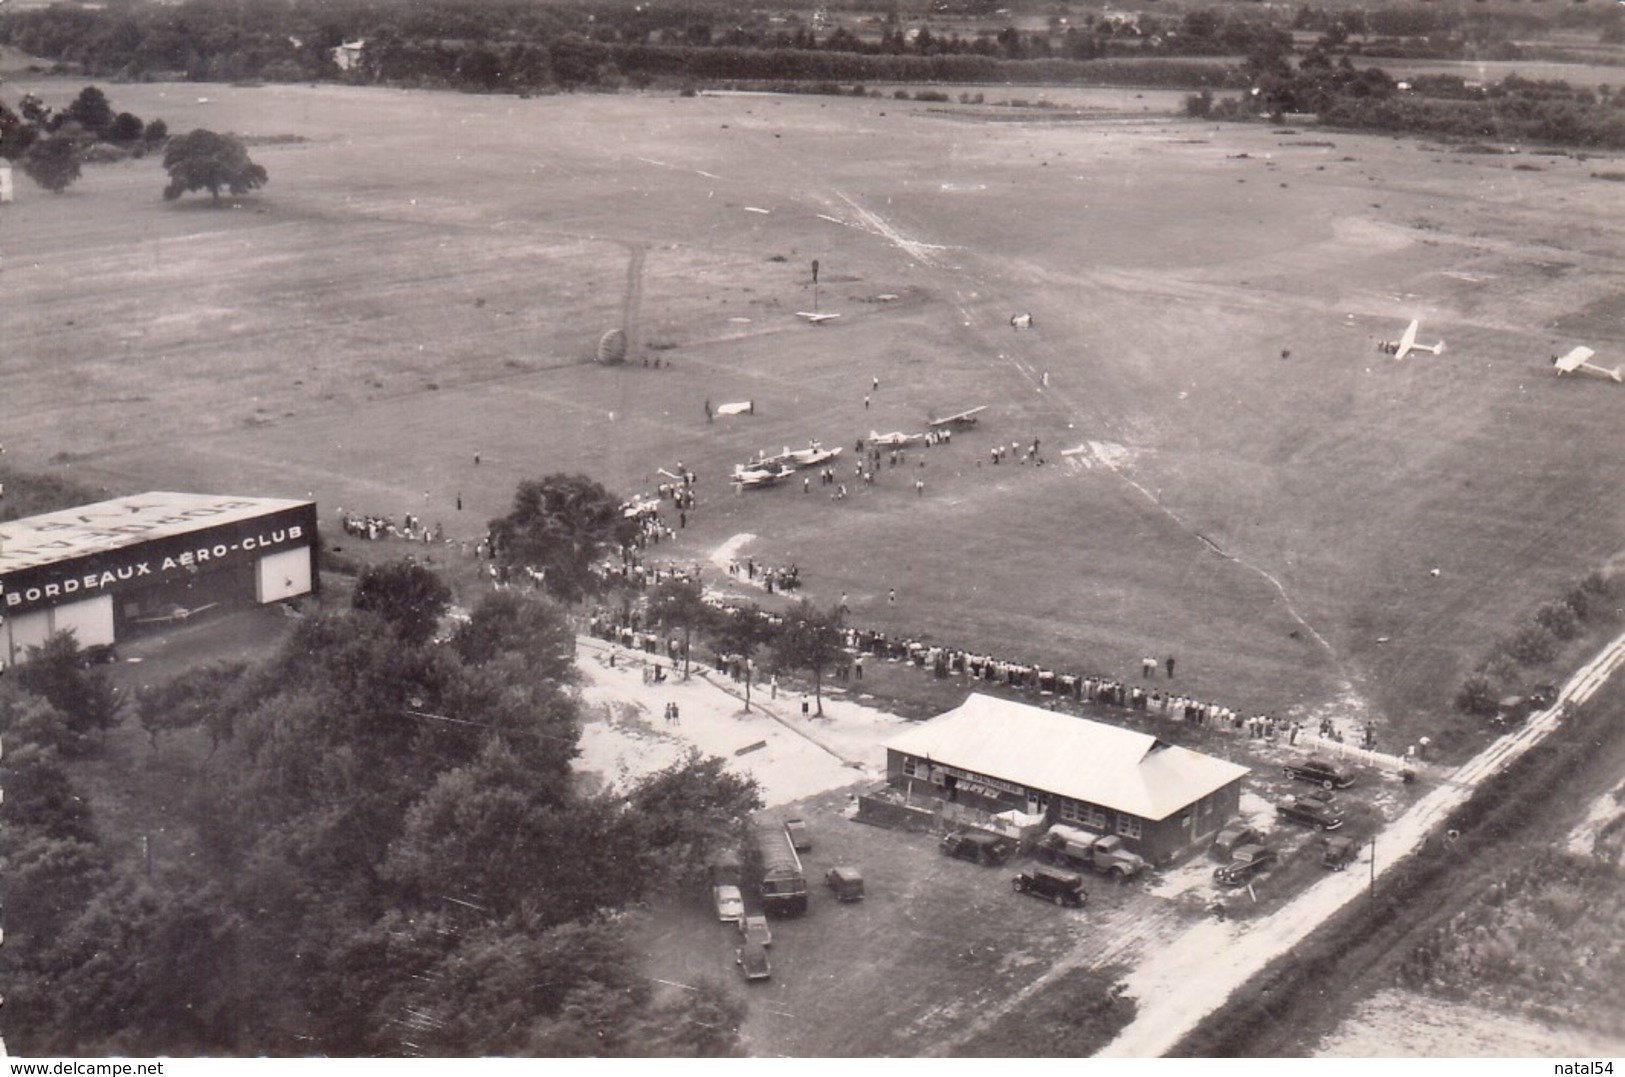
(997, 755)
(108, 569)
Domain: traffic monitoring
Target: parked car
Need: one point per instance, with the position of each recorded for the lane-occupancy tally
(1234, 837)
(800, 837)
(1324, 774)
(1247, 862)
(1061, 887)
(977, 847)
(751, 958)
(847, 882)
(1310, 812)
(98, 654)
(729, 901)
(755, 929)
(1339, 852)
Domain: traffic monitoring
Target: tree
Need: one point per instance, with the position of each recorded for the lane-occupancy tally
(201, 160)
(56, 671)
(53, 162)
(811, 639)
(511, 622)
(92, 111)
(739, 633)
(680, 602)
(561, 525)
(407, 595)
(127, 127)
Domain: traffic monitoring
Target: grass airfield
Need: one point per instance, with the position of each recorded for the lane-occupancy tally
(1260, 493)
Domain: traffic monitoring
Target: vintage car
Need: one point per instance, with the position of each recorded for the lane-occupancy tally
(1319, 771)
(1310, 812)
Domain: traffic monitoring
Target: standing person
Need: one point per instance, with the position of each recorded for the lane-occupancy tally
(1148, 666)
(1170, 665)
(891, 596)
(876, 385)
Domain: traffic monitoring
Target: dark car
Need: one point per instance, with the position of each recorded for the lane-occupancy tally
(1234, 837)
(1339, 852)
(98, 654)
(846, 882)
(1310, 812)
(977, 847)
(1247, 861)
(752, 961)
(1324, 774)
(1061, 887)
(800, 837)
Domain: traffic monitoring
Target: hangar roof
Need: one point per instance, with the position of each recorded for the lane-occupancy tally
(122, 522)
(1090, 761)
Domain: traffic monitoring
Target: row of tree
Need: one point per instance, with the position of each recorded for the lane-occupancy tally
(565, 528)
(53, 145)
(487, 44)
(385, 851)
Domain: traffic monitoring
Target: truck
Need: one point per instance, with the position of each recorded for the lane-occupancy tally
(1103, 853)
(784, 882)
(846, 882)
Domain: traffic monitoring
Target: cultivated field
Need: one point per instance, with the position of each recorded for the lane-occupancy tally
(1258, 491)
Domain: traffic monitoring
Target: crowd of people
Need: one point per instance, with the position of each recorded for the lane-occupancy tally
(373, 528)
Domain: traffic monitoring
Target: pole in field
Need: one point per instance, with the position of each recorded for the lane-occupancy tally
(815, 284)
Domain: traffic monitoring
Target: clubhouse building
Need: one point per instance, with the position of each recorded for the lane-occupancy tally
(109, 569)
(997, 755)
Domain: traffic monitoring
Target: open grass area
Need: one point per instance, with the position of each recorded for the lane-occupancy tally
(1259, 491)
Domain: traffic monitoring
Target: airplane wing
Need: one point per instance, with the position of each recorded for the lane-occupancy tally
(1574, 360)
(814, 317)
(1408, 340)
(734, 409)
(966, 417)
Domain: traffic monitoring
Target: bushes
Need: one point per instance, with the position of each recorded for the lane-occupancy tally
(1593, 604)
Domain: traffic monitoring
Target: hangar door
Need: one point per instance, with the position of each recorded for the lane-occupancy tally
(90, 620)
(283, 575)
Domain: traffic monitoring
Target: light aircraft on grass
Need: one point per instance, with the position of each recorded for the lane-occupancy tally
(896, 439)
(176, 615)
(964, 418)
(1580, 359)
(1406, 344)
(816, 318)
(813, 455)
(759, 474)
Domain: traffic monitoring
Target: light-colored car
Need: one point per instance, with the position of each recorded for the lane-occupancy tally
(755, 929)
(730, 903)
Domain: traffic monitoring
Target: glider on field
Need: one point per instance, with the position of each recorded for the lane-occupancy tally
(964, 418)
(1580, 359)
(814, 317)
(1406, 344)
(896, 439)
(175, 616)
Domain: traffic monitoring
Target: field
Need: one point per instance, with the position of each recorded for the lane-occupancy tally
(1256, 489)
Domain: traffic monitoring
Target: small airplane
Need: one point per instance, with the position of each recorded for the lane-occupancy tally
(759, 474)
(1580, 359)
(1406, 344)
(813, 455)
(964, 418)
(176, 615)
(639, 507)
(896, 439)
(815, 317)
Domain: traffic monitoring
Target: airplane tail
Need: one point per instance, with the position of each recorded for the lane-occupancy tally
(1615, 374)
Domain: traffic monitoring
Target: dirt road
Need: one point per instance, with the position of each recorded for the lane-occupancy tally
(1185, 981)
